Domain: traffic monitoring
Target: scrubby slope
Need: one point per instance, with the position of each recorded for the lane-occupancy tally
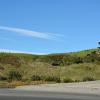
(63, 67)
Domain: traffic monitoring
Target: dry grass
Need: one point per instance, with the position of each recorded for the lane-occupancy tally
(28, 66)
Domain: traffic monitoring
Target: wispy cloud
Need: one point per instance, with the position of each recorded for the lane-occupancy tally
(31, 33)
(15, 51)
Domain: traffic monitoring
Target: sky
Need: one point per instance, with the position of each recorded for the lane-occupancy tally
(49, 26)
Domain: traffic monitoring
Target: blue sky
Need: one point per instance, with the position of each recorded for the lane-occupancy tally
(49, 26)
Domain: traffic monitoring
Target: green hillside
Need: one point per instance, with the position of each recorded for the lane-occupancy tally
(19, 69)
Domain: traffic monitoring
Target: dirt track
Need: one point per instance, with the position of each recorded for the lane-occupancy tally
(81, 87)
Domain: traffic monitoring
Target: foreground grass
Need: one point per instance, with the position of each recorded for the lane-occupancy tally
(48, 74)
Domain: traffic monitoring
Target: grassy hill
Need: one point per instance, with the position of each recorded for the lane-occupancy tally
(19, 69)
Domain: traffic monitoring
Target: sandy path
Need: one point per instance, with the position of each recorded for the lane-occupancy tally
(81, 87)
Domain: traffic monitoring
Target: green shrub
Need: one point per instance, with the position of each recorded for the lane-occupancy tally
(67, 80)
(77, 80)
(35, 78)
(14, 75)
(88, 78)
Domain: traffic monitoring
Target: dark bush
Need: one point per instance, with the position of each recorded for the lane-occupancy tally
(14, 75)
(35, 78)
(88, 78)
(52, 79)
(55, 64)
(78, 60)
(67, 80)
(3, 78)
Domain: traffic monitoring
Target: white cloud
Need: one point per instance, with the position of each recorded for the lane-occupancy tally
(15, 51)
(30, 33)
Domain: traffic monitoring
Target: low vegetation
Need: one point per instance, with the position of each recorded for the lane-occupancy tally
(21, 69)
